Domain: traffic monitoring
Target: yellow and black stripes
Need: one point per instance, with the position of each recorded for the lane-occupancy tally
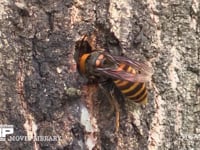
(134, 91)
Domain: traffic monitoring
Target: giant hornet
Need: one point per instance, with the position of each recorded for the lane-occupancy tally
(128, 76)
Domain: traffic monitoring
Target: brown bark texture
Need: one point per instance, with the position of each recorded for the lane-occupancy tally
(42, 94)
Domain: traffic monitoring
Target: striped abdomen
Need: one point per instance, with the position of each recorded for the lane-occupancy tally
(135, 91)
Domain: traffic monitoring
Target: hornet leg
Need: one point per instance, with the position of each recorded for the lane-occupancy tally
(114, 106)
(117, 111)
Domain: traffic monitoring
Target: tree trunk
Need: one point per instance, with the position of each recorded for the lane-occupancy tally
(42, 94)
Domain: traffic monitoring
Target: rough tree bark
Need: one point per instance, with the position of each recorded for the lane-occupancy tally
(41, 92)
